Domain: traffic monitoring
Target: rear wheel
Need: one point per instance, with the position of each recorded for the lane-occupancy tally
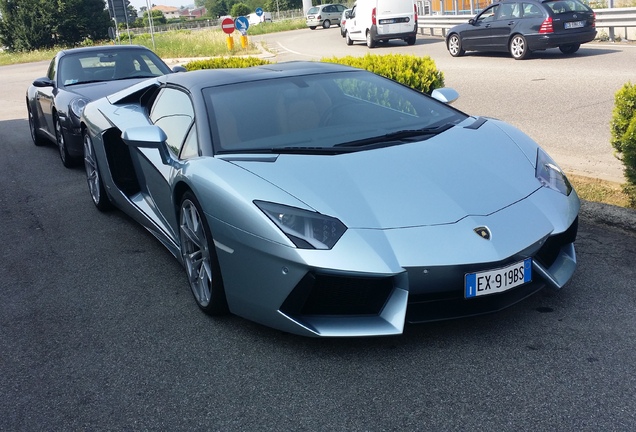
(455, 46)
(312, 27)
(200, 259)
(410, 40)
(569, 49)
(93, 176)
(370, 41)
(348, 39)
(519, 47)
(326, 24)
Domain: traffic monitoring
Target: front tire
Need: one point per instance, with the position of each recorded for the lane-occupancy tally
(199, 258)
(455, 46)
(67, 160)
(33, 127)
(569, 49)
(93, 176)
(519, 47)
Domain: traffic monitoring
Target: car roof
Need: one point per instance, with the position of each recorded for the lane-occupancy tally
(102, 48)
(199, 79)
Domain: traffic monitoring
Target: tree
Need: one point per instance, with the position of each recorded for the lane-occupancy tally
(157, 18)
(81, 19)
(240, 9)
(34, 24)
(27, 24)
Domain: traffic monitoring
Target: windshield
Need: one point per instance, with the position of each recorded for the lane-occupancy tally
(327, 112)
(109, 65)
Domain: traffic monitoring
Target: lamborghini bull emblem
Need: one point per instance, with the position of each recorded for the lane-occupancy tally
(483, 232)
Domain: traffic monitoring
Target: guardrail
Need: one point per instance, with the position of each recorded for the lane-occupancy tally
(605, 18)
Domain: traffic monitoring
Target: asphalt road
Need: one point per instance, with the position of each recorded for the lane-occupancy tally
(98, 331)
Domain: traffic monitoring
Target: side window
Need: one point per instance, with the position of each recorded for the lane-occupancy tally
(531, 10)
(509, 11)
(172, 111)
(51, 72)
(488, 15)
(191, 146)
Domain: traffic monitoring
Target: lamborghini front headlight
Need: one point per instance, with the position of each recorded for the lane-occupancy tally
(306, 229)
(550, 175)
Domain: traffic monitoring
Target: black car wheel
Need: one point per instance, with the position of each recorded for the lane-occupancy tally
(326, 24)
(569, 49)
(348, 39)
(370, 41)
(67, 160)
(93, 177)
(519, 47)
(455, 46)
(200, 259)
(33, 126)
(312, 27)
(410, 40)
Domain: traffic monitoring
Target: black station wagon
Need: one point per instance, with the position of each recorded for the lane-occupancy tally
(523, 26)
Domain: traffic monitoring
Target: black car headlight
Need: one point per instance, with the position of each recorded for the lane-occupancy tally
(77, 106)
(550, 175)
(306, 229)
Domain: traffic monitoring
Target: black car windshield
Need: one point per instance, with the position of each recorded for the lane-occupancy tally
(322, 113)
(109, 65)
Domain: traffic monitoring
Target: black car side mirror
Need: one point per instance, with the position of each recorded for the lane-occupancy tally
(43, 82)
(471, 21)
(179, 69)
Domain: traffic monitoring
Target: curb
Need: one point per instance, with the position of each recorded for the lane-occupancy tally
(617, 217)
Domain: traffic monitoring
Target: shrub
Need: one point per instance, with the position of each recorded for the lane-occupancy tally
(623, 134)
(419, 73)
(225, 62)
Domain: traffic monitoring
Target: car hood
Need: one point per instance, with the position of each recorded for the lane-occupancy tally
(442, 180)
(93, 91)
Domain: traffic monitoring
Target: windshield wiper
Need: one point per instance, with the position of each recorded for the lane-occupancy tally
(409, 135)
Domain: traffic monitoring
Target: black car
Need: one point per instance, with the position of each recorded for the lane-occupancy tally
(75, 77)
(523, 26)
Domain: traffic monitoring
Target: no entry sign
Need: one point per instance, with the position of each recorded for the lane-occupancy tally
(227, 25)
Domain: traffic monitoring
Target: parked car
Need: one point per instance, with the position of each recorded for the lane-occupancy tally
(76, 76)
(255, 19)
(325, 200)
(374, 21)
(343, 21)
(523, 26)
(324, 15)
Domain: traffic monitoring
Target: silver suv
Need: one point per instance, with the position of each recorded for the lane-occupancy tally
(324, 15)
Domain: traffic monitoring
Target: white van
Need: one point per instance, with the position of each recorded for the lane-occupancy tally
(374, 21)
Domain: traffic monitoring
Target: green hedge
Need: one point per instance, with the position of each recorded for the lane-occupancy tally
(225, 63)
(623, 135)
(419, 73)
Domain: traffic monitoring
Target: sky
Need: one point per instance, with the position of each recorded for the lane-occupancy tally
(176, 3)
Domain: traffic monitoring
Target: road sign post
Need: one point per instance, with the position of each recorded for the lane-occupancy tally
(227, 25)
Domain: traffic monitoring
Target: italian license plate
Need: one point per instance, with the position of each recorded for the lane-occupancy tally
(574, 24)
(498, 280)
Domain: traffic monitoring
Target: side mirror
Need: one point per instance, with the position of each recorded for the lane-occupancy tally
(446, 95)
(43, 82)
(150, 137)
(347, 14)
(471, 21)
(179, 69)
